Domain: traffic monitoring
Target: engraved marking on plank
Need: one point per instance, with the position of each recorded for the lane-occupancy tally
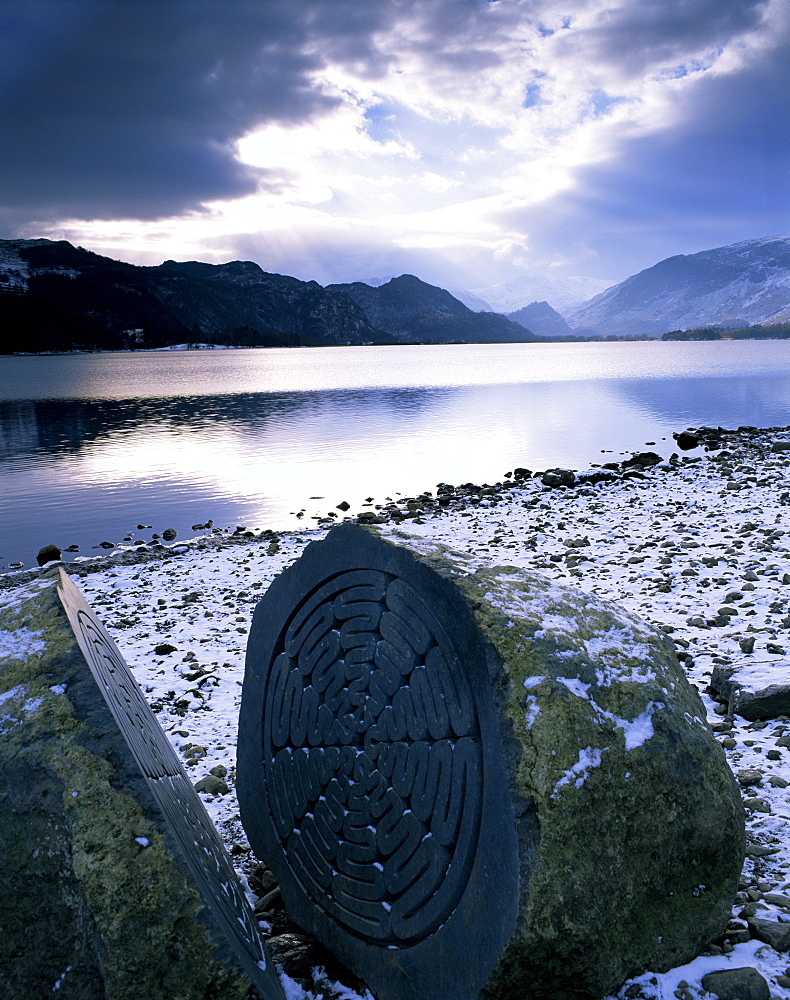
(174, 793)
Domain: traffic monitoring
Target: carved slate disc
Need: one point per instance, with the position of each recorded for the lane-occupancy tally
(370, 771)
(173, 792)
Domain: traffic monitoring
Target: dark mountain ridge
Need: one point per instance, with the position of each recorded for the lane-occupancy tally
(541, 319)
(417, 313)
(54, 296)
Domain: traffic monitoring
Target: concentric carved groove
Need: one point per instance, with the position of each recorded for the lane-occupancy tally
(372, 757)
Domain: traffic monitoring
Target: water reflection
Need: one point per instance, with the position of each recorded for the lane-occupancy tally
(62, 426)
(730, 401)
(82, 470)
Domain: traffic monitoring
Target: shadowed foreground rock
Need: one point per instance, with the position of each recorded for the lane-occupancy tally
(114, 884)
(479, 783)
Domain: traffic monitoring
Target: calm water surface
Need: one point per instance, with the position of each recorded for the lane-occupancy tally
(93, 445)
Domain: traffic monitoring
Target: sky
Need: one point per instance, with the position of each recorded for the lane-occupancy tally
(470, 142)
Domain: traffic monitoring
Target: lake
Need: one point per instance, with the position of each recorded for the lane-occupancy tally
(92, 445)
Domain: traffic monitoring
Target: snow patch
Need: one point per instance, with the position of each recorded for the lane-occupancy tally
(20, 643)
(637, 731)
(575, 686)
(589, 758)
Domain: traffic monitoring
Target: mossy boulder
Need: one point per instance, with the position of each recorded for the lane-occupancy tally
(614, 838)
(642, 834)
(98, 901)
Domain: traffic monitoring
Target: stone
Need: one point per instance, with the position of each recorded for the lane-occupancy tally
(642, 460)
(596, 477)
(558, 477)
(443, 764)
(169, 534)
(780, 446)
(299, 955)
(772, 932)
(686, 441)
(737, 984)
(114, 882)
(164, 649)
(754, 690)
(344, 505)
(212, 785)
(50, 553)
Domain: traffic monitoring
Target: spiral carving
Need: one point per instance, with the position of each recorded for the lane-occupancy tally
(372, 757)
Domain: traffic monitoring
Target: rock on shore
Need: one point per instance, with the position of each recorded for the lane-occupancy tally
(99, 901)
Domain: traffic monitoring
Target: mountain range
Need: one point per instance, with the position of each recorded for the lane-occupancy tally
(740, 285)
(54, 296)
(563, 293)
(416, 313)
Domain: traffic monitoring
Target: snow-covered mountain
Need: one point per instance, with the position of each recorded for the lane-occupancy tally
(14, 268)
(471, 301)
(562, 293)
(737, 285)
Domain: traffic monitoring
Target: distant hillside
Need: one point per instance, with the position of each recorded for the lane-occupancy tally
(417, 313)
(54, 296)
(774, 331)
(541, 319)
(735, 286)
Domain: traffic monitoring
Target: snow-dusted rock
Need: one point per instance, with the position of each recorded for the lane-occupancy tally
(100, 900)
(641, 829)
(599, 833)
(754, 689)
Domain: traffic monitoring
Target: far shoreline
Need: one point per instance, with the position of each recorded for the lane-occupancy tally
(543, 341)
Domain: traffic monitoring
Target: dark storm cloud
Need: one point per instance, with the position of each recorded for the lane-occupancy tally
(719, 176)
(131, 108)
(110, 108)
(654, 32)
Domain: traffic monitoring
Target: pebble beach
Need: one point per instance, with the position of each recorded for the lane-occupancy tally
(696, 543)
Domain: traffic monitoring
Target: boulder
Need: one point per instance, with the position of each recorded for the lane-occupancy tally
(49, 553)
(476, 782)
(772, 932)
(558, 477)
(113, 880)
(754, 690)
(686, 440)
(737, 984)
(642, 460)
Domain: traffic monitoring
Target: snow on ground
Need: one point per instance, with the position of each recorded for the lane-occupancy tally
(672, 546)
